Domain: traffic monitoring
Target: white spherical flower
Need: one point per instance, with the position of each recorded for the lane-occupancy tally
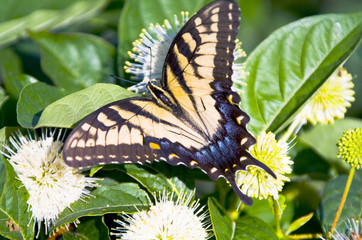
(150, 50)
(52, 185)
(331, 101)
(255, 182)
(182, 219)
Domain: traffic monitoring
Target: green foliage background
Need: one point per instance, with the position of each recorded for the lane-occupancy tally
(56, 62)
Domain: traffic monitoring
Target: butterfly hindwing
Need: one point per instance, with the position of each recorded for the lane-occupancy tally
(192, 119)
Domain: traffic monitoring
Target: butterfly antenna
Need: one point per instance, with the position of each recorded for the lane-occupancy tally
(123, 79)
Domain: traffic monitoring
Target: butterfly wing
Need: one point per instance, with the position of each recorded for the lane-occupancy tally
(194, 119)
(200, 82)
(134, 130)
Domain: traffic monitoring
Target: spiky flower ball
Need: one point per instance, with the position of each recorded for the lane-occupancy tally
(255, 182)
(52, 185)
(331, 101)
(182, 219)
(350, 147)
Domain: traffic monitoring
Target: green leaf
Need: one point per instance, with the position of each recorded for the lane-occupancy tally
(2, 176)
(32, 101)
(109, 197)
(253, 228)
(331, 198)
(221, 222)
(71, 109)
(95, 169)
(75, 61)
(3, 97)
(287, 68)
(12, 74)
(138, 14)
(161, 176)
(13, 205)
(8, 228)
(262, 209)
(17, 18)
(89, 228)
(298, 223)
(5, 133)
(324, 138)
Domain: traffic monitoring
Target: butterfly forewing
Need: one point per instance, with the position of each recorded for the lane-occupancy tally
(129, 130)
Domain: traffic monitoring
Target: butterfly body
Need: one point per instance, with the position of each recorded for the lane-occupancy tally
(193, 118)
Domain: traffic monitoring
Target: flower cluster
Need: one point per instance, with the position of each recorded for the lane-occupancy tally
(167, 219)
(255, 182)
(331, 100)
(350, 147)
(51, 184)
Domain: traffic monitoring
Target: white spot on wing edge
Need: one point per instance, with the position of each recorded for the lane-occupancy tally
(215, 10)
(85, 126)
(197, 21)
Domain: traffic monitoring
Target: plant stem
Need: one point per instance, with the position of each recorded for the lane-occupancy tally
(306, 236)
(290, 130)
(277, 219)
(343, 200)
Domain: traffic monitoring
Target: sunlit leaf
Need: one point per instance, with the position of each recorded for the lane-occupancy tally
(71, 109)
(287, 68)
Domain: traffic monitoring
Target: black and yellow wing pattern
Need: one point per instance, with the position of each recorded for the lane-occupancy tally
(192, 119)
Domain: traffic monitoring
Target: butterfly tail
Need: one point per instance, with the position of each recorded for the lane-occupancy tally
(232, 179)
(243, 197)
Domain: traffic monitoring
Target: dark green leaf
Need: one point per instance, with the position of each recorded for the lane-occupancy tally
(324, 138)
(32, 101)
(2, 175)
(3, 97)
(12, 74)
(161, 176)
(138, 14)
(288, 67)
(5, 133)
(8, 228)
(13, 204)
(20, 17)
(261, 209)
(331, 198)
(71, 109)
(89, 228)
(75, 61)
(107, 198)
(253, 228)
(221, 222)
